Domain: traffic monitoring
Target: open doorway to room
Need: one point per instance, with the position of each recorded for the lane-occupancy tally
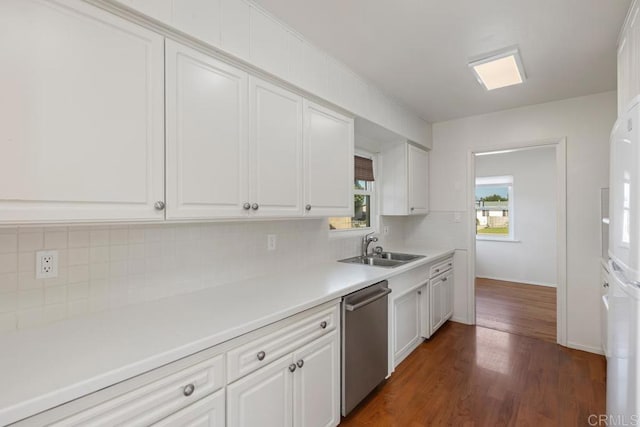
(516, 269)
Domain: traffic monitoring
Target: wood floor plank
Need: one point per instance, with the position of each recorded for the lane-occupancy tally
(475, 376)
(518, 308)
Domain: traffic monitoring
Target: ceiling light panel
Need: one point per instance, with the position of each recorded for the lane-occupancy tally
(499, 70)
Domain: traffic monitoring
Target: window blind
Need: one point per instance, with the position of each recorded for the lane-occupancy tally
(363, 169)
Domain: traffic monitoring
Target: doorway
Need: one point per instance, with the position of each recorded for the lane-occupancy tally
(520, 239)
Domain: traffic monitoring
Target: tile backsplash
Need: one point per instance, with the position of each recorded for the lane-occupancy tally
(108, 266)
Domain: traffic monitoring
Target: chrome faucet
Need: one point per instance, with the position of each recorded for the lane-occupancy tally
(367, 239)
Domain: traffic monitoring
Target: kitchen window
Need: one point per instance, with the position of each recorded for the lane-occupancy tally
(494, 208)
(363, 197)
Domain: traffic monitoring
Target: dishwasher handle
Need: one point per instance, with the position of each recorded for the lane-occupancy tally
(354, 307)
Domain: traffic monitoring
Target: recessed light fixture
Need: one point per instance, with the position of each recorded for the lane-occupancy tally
(499, 69)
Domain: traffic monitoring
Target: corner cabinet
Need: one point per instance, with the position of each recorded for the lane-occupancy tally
(82, 115)
(328, 162)
(405, 183)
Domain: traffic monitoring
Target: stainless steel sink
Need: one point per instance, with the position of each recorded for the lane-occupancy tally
(384, 259)
(372, 260)
(399, 257)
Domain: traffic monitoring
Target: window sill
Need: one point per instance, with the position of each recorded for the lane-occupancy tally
(497, 239)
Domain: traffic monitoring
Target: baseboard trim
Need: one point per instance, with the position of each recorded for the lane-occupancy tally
(548, 285)
(587, 348)
(461, 320)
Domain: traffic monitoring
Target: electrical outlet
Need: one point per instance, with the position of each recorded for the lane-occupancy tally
(46, 264)
(271, 242)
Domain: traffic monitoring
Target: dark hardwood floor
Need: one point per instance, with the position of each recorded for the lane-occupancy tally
(518, 308)
(475, 376)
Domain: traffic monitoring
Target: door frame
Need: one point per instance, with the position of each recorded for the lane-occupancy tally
(560, 146)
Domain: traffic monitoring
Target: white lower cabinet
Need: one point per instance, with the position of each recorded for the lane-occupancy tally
(440, 304)
(299, 389)
(206, 412)
(316, 386)
(263, 398)
(406, 320)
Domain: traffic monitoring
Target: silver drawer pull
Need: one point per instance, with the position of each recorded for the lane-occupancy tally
(300, 363)
(449, 264)
(188, 390)
(605, 285)
(292, 367)
(444, 279)
(437, 270)
(323, 324)
(261, 355)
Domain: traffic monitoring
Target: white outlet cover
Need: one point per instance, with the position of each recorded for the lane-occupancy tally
(46, 264)
(271, 242)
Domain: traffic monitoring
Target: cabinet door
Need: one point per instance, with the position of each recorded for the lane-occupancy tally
(447, 294)
(435, 305)
(206, 136)
(418, 174)
(328, 153)
(206, 412)
(425, 330)
(263, 398)
(316, 387)
(81, 114)
(275, 150)
(406, 312)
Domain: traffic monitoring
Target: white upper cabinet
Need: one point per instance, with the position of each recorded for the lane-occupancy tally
(275, 150)
(328, 162)
(405, 180)
(207, 146)
(81, 114)
(418, 177)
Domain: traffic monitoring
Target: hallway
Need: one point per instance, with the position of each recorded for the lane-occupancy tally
(521, 309)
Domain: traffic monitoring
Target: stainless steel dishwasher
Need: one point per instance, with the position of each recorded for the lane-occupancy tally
(364, 343)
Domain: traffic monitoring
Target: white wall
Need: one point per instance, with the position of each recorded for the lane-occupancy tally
(586, 123)
(531, 258)
(107, 266)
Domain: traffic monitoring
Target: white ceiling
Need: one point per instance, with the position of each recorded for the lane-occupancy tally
(418, 50)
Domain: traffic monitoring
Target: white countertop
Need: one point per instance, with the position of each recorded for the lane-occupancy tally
(44, 367)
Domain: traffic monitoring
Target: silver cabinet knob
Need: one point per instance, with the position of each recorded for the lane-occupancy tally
(437, 270)
(413, 209)
(159, 205)
(292, 367)
(261, 355)
(307, 208)
(255, 206)
(300, 363)
(246, 206)
(323, 324)
(419, 292)
(605, 285)
(444, 279)
(188, 389)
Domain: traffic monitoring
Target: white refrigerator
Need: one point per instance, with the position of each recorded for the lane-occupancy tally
(623, 357)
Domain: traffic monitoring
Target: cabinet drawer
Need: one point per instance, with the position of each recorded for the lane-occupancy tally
(408, 280)
(245, 359)
(154, 401)
(441, 267)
